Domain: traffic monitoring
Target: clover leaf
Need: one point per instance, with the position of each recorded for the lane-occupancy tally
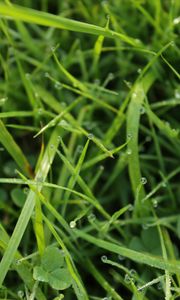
(52, 269)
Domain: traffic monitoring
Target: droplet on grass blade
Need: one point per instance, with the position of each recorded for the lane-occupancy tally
(104, 258)
(72, 224)
(143, 180)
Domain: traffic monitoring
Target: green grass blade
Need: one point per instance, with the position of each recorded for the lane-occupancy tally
(14, 150)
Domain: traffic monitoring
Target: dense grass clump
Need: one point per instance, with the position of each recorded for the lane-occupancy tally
(89, 149)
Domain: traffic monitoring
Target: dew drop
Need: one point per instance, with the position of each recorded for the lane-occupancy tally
(101, 168)
(129, 136)
(139, 71)
(52, 146)
(142, 110)
(72, 224)
(40, 110)
(145, 226)
(52, 48)
(79, 148)
(176, 21)
(3, 100)
(110, 76)
(58, 85)
(143, 180)
(26, 190)
(131, 207)
(46, 74)
(155, 203)
(127, 279)
(133, 272)
(134, 95)
(91, 217)
(129, 151)
(27, 75)
(20, 294)
(90, 136)
(63, 123)
(120, 257)
(104, 258)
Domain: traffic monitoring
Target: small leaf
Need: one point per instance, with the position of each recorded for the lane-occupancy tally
(40, 274)
(60, 279)
(52, 259)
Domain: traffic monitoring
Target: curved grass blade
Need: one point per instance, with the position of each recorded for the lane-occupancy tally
(14, 150)
(46, 19)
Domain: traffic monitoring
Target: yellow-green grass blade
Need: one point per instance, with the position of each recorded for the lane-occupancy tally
(28, 206)
(140, 257)
(14, 150)
(46, 19)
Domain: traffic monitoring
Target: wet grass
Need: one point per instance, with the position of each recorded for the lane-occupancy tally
(90, 150)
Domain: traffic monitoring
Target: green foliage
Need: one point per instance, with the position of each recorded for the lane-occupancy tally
(89, 149)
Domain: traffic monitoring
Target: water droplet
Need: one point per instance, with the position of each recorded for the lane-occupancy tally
(148, 139)
(79, 148)
(129, 151)
(90, 136)
(139, 71)
(164, 184)
(155, 203)
(26, 190)
(142, 110)
(20, 294)
(177, 93)
(96, 81)
(133, 272)
(108, 17)
(63, 123)
(40, 110)
(134, 95)
(18, 262)
(52, 146)
(143, 180)
(131, 207)
(159, 286)
(127, 279)
(110, 76)
(52, 48)
(72, 224)
(58, 85)
(176, 21)
(104, 258)
(63, 104)
(27, 75)
(46, 74)
(129, 136)
(145, 226)
(3, 100)
(101, 168)
(91, 217)
(120, 257)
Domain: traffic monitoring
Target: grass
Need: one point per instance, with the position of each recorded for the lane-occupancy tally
(90, 150)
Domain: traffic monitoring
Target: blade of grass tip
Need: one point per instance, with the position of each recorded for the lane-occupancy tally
(83, 185)
(28, 206)
(80, 291)
(73, 178)
(14, 150)
(140, 257)
(119, 119)
(56, 106)
(46, 19)
(101, 280)
(133, 121)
